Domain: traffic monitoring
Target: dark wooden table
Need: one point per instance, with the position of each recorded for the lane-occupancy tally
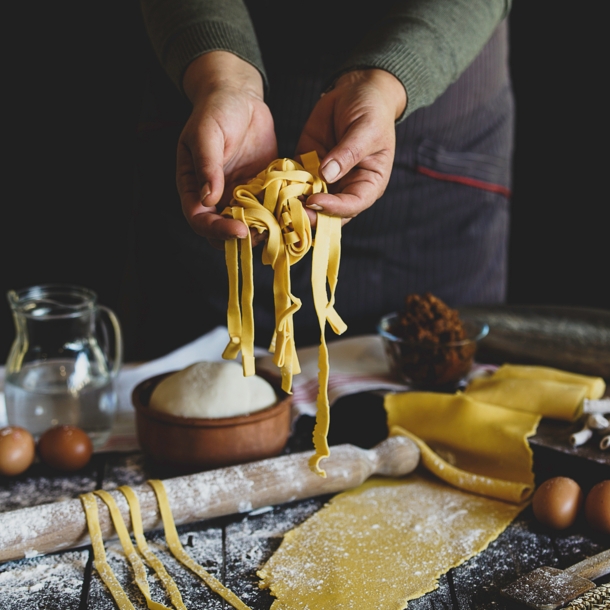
(233, 548)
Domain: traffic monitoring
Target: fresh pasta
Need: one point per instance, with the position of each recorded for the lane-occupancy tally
(143, 552)
(270, 203)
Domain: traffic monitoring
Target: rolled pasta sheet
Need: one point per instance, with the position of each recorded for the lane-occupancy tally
(545, 397)
(596, 386)
(473, 445)
(509, 491)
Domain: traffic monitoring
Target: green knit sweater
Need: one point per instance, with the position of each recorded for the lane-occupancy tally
(426, 44)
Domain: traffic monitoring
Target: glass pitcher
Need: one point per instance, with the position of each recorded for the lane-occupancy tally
(64, 360)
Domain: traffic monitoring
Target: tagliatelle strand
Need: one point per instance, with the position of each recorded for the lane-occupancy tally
(234, 312)
(130, 552)
(247, 295)
(173, 541)
(99, 554)
(328, 232)
(270, 203)
(153, 561)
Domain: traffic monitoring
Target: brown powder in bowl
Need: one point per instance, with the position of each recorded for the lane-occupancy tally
(427, 319)
(433, 348)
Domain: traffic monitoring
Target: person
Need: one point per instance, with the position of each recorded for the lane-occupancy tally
(410, 108)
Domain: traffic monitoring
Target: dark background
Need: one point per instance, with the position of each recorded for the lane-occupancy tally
(74, 81)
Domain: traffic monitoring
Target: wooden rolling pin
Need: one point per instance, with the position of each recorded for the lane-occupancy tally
(225, 491)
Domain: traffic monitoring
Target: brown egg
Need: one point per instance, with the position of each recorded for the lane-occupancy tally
(65, 448)
(17, 450)
(557, 501)
(597, 507)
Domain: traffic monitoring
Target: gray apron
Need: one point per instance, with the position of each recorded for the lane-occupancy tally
(441, 226)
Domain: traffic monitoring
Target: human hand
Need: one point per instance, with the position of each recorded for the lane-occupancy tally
(227, 140)
(352, 128)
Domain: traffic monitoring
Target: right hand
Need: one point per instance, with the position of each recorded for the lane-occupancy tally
(228, 139)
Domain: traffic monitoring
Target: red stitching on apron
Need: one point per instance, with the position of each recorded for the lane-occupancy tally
(480, 184)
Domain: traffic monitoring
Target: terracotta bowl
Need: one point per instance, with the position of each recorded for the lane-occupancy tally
(191, 443)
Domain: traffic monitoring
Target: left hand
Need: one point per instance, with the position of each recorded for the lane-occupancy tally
(227, 140)
(352, 128)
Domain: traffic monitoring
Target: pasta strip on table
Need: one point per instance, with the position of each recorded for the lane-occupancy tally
(171, 535)
(270, 203)
(130, 552)
(173, 541)
(100, 563)
(153, 561)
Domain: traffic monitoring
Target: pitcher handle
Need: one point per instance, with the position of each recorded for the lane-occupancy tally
(118, 340)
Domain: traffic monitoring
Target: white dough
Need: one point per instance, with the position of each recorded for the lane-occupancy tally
(212, 390)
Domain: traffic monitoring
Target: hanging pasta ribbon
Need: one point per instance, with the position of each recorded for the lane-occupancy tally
(325, 264)
(270, 203)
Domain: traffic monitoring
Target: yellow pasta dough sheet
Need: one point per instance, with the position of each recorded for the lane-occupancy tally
(545, 397)
(596, 386)
(382, 544)
(538, 389)
(473, 445)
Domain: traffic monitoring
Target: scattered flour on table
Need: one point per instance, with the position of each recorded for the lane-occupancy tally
(251, 541)
(125, 470)
(204, 545)
(576, 547)
(53, 576)
(33, 491)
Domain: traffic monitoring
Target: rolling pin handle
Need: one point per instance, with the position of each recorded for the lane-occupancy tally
(396, 456)
(592, 567)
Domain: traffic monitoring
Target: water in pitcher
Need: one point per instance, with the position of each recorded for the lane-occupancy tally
(43, 394)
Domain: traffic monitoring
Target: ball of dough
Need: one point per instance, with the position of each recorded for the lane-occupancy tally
(212, 390)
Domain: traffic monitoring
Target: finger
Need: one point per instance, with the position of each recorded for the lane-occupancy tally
(362, 191)
(360, 140)
(318, 132)
(313, 218)
(258, 238)
(199, 164)
(341, 204)
(217, 244)
(216, 227)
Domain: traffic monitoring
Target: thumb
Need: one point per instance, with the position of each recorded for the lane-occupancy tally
(199, 166)
(355, 145)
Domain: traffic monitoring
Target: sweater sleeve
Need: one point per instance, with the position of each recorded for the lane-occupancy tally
(182, 31)
(427, 44)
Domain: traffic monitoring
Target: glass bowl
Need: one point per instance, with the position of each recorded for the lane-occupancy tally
(428, 365)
